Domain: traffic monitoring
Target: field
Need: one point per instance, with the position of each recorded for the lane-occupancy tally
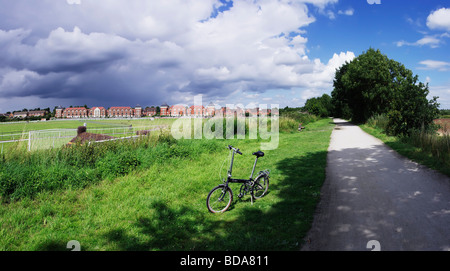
(160, 204)
(53, 129)
(444, 124)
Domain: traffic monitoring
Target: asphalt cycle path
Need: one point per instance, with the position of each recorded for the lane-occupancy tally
(375, 199)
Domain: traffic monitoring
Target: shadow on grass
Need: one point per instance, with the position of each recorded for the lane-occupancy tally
(281, 225)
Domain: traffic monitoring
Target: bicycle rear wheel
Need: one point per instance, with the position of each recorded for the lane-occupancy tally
(260, 186)
(219, 199)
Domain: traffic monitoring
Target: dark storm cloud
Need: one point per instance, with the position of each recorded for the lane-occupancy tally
(149, 52)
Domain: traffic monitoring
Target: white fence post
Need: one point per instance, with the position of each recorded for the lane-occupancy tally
(29, 141)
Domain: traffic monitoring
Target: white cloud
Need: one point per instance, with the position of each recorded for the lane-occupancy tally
(431, 41)
(162, 50)
(439, 19)
(348, 12)
(435, 65)
(74, 2)
(443, 92)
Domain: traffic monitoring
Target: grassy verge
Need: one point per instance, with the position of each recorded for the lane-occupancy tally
(405, 148)
(160, 204)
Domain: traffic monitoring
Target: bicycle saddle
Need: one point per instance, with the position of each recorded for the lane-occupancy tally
(258, 154)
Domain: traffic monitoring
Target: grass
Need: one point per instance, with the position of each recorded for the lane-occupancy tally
(160, 204)
(420, 147)
(15, 131)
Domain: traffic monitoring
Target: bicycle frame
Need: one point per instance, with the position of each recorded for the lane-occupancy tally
(231, 180)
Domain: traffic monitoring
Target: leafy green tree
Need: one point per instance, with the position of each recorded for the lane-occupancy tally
(373, 84)
(319, 106)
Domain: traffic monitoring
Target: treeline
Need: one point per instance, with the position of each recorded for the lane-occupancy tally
(372, 85)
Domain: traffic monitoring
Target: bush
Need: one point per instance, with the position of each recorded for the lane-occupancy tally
(380, 120)
(117, 164)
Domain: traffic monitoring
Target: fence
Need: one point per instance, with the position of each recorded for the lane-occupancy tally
(55, 138)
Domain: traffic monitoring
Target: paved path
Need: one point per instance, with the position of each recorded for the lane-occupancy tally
(372, 193)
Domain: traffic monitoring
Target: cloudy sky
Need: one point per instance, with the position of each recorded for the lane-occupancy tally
(147, 52)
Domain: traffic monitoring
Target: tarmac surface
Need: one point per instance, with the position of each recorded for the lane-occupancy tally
(375, 199)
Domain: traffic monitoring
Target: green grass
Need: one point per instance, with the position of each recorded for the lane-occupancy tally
(160, 205)
(422, 155)
(19, 130)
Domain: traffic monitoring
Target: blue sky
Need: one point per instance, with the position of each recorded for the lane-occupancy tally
(396, 28)
(249, 52)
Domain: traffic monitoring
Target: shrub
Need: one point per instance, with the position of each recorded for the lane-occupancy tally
(117, 164)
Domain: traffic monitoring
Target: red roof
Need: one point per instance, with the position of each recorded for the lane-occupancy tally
(76, 108)
(120, 107)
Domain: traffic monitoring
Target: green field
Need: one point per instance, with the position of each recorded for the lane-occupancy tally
(161, 204)
(15, 131)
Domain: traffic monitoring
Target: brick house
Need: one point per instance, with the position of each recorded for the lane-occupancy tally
(164, 110)
(149, 111)
(37, 113)
(265, 112)
(75, 112)
(179, 110)
(120, 112)
(59, 112)
(138, 111)
(197, 110)
(210, 110)
(97, 112)
(20, 114)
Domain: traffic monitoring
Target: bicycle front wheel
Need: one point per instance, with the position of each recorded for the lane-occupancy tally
(219, 199)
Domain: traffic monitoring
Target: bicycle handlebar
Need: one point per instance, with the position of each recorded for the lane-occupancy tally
(234, 149)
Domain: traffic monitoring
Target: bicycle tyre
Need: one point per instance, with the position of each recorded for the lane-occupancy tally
(219, 199)
(260, 186)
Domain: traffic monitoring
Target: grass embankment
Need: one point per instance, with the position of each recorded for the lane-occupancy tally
(428, 149)
(156, 200)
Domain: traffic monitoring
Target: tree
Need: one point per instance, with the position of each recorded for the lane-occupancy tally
(319, 106)
(373, 84)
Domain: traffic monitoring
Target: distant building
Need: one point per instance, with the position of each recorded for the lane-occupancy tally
(37, 113)
(197, 110)
(149, 111)
(120, 112)
(59, 112)
(179, 110)
(97, 112)
(210, 110)
(20, 114)
(75, 113)
(164, 110)
(138, 111)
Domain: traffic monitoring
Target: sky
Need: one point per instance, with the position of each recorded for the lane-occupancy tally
(248, 52)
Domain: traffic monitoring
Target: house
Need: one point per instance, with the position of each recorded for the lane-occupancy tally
(179, 110)
(120, 112)
(197, 110)
(164, 110)
(138, 111)
(97, 112)
(59, 112)
(20, 114)
(37, 113)
(210, 110)
(149, 111)
(75, 112)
